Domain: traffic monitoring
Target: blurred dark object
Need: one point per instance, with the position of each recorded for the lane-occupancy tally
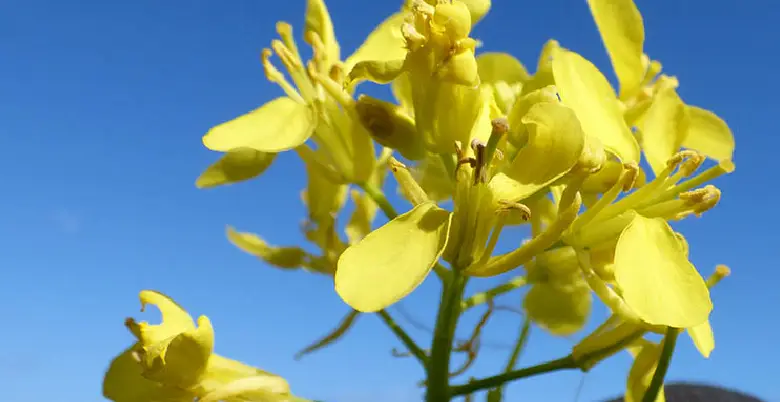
(687, 392)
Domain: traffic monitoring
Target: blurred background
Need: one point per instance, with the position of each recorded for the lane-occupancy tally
(103, 109)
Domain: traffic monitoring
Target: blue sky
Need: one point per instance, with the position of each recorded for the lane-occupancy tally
(103, 108)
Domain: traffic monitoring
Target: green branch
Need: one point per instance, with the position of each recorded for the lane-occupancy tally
(565, 363)
(483, 297)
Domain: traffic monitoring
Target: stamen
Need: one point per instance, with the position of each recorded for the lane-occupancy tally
(625, 182)
(294, 66)
(721, 271)
(276, 76)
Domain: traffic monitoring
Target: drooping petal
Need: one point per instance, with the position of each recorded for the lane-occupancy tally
(708, 134)
(623, 33)
(281, 257)
(641, 373)
(124, 382)
(384, 43)
(702, 338)
(235, 166)
(279, 125)
(663, 128)
(394, 259)
(555, 143)
(583, 88)
(495, 66)
(656, 279)
(318, 20)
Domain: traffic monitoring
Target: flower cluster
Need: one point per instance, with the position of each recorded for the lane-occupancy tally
(559, 150)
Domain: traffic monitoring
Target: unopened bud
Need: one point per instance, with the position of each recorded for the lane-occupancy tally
(389, 126)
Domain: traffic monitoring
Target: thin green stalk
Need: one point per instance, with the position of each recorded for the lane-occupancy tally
(443, 336)
(670, 340)
(379, 198)
(565, 363)
(519, 345)
(483, 297)
(497, 393)
(404, 337)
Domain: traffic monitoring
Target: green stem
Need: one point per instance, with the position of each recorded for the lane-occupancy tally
(379, 198)
(565, 363)
(670, 340)
(404, 337)
(483, 297)
(443, 336)
(497, 393)
(519, 345)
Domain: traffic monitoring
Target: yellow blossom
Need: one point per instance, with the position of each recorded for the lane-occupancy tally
(174, 361)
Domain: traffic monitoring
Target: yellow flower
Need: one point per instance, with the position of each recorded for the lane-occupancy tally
(315, 105)
(650, 102)
(174, 361)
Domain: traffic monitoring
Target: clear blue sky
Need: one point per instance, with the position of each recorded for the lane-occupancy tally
(103, 107)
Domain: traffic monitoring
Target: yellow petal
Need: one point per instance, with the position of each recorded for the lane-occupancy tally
(282, 257)
(544, 75)
(175, 319)
(393, 260)
(384, 43)
(359, 224)
(641, 373)
(663, 128)
(708, 134)
(124, 382)
(266, 388)
(656, 279)
(702, 338)
(623, 33)
(477, 8)
(181, 360)
(378, 71)
(322, 196)
(583, 88)
(279, 125)
(318, 20)
(402, 91)
(555, 143)
(222, 372)
(561, 310)
(494, 66)
(235, 166)
(518, 134)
